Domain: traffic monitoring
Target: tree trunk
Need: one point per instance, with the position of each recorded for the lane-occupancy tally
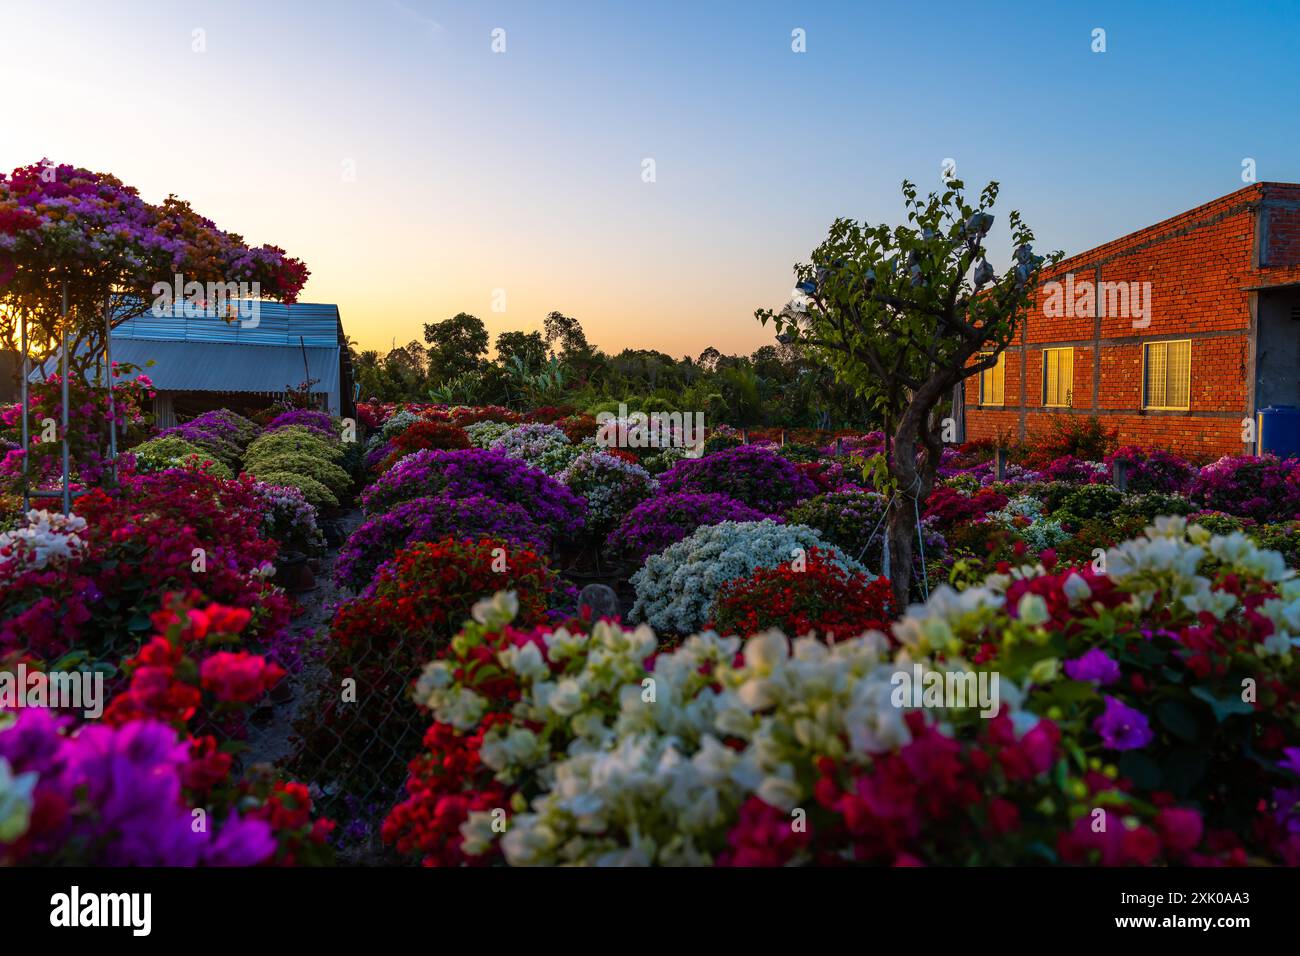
(901, 530)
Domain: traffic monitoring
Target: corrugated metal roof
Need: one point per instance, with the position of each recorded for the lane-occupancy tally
(277, 324)
(229, 366)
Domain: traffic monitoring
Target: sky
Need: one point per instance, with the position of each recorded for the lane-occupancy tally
(653, 169)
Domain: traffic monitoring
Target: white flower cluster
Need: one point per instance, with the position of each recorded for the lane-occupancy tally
(611, 485)
(676, 587)
(483, 434)
(542, 446)
(1041, 532)
(47, 537)
(397, 424)
(646, 777)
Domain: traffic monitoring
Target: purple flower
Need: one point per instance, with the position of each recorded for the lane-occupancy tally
(430, 519)
(1121, 727)
(1292, 761)
(466, 472)
(1094, 665)
(755, 476)
(318, 422)
(657, 522)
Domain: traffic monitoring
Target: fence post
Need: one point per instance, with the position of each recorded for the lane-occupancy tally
(782, 437)
(1000, 463)
(1119, 474)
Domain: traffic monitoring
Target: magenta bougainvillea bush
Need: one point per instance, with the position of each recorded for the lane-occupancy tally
(754, 476)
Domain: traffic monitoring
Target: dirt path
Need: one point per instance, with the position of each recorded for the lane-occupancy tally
(271, 726)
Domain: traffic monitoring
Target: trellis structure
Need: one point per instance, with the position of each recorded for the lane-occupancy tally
(65, 492)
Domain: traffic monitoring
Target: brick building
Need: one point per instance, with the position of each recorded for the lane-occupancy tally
(1173, 334)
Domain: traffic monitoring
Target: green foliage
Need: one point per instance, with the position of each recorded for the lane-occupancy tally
(316, 493)
(456, 346)
(172, 451)
(327, 473)
(294, 440)
(1086, 502)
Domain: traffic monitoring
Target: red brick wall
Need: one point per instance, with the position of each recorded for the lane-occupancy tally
(1201, 266)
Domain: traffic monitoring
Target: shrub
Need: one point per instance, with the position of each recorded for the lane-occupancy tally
(310, 419)
(209, 441)
(432, 519)
(756, 476)
(409, 612)
(1089, 501)
(1075, 471)
(659, 521)
(1072, 435)
(425, 435)
(1152, 505)
(1283, 537)
(542, 446)
(1263, 488)
(1152, 469)
(676, 587)
(1024, 515)
(819, 598)
(1112, 696)
(397, 424)
(460, 474)
(1216, 522)
(950, 507)
(609, 484)
(293, 440)
(322, 470)
(289, 518)
(318, 495)
(97, 594)
(483, 434)
(847, 520)
(172, 451)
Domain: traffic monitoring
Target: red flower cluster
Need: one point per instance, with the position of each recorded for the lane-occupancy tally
(931, 798)
(821, 598)
(437, 436)
(950, 508)
(238, 677)
(447, 782)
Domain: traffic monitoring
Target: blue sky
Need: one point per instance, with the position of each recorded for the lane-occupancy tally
(520, 171)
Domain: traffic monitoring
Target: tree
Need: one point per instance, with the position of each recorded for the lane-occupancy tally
(708, 359)
(524, 350)
(67, 230)
(905, 314)
(456, 346)
(565, 331)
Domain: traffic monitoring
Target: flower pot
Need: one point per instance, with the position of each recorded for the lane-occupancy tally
(293, 573)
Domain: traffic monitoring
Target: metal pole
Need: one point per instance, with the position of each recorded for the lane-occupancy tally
(27, 451)
(108, 375)
(67, 476)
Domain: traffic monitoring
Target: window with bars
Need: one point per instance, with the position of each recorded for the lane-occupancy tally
(1058, 377)
(1167, 374)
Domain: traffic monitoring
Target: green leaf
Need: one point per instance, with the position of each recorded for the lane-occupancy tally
(1223, 707)
(1141, 769)
(1178, 720)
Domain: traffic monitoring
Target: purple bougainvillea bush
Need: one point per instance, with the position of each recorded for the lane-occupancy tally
(431, 519)
(657, 522)
(466, 472)
(755, 476)
(1248, 486)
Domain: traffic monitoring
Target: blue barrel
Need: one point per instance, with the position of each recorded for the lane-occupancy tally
(1279, 431)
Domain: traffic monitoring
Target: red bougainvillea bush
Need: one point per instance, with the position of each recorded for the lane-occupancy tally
(154, 783)
(91, 581)
(1144, 716)
(808, 595)
(379, 641)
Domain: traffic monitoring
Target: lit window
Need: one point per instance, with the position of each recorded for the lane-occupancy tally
(1167, 375)
(993, 381)
(1058, 377)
